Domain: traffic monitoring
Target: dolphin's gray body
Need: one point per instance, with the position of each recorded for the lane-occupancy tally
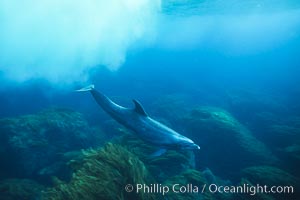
(144, 126)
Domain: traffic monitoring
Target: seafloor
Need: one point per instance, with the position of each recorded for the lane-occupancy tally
(57, 154)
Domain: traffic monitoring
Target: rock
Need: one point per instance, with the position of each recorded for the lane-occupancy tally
(268, 175)
(246, 103)
(272, 176)
(293, 151)
(19, 189)
(282, 135)
(290, 158)
(192, 182)
(103, 174)
(226, 144)
(31, 143)
(159, 166)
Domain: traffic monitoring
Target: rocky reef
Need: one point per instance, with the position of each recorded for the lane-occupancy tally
(246, 102)
(34, 145)
(158, 166)
(103, 174)
(21, 189)
(282, 135)
(225, 141)
(271, 176)
(72, 160)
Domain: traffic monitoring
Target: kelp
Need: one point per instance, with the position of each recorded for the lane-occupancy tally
(194, 185)
(103, 174)
(21, 189)
(269, 175)
(36, 141)
(234, 141)
(190, 176)
(158, 166)
(272, 176)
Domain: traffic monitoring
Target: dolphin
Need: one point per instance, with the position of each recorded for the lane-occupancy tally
(137, 120)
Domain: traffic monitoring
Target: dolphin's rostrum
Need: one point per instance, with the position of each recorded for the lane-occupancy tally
(144, 126)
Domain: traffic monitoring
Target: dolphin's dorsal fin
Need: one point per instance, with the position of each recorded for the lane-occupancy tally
(87, 88)
(139, 108)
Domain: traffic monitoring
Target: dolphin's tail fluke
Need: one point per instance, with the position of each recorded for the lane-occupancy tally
(87, 88)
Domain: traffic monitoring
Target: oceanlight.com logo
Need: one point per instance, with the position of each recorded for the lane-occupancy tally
(211, 188)
(250, 189)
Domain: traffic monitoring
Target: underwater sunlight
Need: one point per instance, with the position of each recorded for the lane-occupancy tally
(150, 99)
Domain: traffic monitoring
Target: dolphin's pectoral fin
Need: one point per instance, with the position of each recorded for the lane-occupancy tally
(158, 153)
(139, 108)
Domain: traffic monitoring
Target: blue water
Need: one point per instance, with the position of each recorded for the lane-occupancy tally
(239, 56)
